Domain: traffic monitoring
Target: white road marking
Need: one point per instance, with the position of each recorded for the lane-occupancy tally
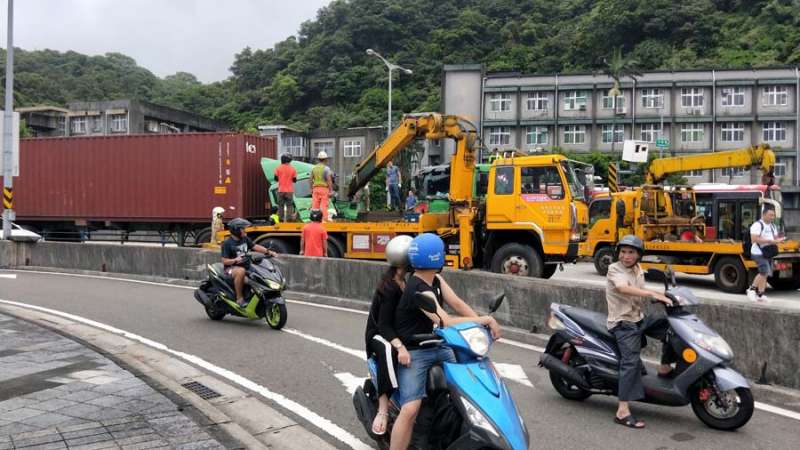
(361, 354)
(322, 423)
(513, 372)
(11, 276)
(758, 405)
(350, 381)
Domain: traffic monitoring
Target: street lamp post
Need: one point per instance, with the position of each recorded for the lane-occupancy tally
(391, 67)
(8, 132)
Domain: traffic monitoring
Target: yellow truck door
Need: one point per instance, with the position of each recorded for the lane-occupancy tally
(544, 201)
(501, 202)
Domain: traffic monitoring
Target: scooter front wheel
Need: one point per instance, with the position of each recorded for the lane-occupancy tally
(276, 316)
(728, 411)
(215, 313)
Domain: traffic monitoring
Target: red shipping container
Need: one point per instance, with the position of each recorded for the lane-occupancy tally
(163, 178)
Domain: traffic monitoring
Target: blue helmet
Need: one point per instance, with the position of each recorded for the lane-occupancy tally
(426, 252)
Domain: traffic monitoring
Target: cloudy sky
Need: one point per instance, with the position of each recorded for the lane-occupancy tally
(164, 36)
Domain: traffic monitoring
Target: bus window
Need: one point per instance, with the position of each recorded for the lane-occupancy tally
(705, 206)
(727, 219)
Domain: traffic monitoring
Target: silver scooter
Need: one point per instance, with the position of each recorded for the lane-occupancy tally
(583, 359)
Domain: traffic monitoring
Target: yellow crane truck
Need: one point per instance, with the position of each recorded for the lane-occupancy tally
(532, 218)
(673, 229)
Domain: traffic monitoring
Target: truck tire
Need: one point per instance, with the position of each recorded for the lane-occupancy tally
(786, 284)
(276, 244)
(730, 275)
(202, 236)
(518, 259)
(603, 258)
(335, 247)
(549, 270)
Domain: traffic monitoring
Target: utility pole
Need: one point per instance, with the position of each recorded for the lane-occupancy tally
(8, 131)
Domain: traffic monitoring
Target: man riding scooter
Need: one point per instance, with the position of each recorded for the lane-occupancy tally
(234, 249)
(625, 294)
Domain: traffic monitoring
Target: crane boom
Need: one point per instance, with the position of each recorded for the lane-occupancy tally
(760, 155)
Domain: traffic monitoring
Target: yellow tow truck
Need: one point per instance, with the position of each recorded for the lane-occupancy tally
(532, 218)
(674, 229)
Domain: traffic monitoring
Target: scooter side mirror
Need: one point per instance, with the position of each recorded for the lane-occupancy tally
(660, 276)
(671, 274)
(497, 302)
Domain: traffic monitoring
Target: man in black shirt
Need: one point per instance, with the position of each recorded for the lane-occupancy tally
(426, 254)
(235, 247)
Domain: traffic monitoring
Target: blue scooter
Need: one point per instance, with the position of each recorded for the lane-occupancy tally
(468, 406)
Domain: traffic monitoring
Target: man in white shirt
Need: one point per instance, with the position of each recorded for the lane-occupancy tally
(762, 233)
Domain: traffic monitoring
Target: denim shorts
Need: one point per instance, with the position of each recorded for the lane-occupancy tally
(764, 265)
(412, 379)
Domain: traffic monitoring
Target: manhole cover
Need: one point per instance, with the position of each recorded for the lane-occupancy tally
(201, 390)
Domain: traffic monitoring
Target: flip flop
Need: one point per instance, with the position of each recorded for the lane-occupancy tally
(629, 421)
(385, 424)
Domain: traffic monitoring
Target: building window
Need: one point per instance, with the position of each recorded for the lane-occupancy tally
(774, 131)
(652, 98)
(733, 172)
(575, 100)
(692, 97)
(733, 96)
(500, 102)
(152, 126)
(780, 169)
(608, 102)
(537, 101)
(537, 136)
(294, 145)
(613, 133)
(776, 96)
(78, 125)
(692, 132)
(695, 174)
(574, 134)
(352, 149)
(499, 136)
(119, 123)
(650, 131)
(96, 123)
(327, 147)
(732, 132)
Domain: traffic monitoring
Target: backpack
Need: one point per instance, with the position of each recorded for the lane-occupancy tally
(747, 242)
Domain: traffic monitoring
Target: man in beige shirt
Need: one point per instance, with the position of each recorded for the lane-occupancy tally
(625, 294)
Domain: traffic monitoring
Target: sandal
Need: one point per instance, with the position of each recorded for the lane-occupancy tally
(630, 422)
(385, 422)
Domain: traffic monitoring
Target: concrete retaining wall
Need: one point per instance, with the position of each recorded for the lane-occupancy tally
(758, 334)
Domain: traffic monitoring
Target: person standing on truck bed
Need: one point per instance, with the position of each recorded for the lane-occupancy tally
(286, 176)
(321, 185)
(393, 183)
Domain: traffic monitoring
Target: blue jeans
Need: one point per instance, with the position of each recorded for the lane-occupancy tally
(412, 379)
(394, 194)
(764, 265)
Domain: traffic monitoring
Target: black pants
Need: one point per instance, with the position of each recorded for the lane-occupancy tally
(386, 357)
(630, 336)
(285, 199)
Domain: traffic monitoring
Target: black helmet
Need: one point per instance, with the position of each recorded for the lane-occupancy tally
(286, 158)
(237, 226)
(315, 215)
(632, 241)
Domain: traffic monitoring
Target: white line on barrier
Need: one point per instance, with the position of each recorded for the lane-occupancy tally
(322, 423)
(758, 405)
(11, 276)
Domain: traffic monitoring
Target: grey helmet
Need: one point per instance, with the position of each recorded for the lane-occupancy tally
(397, 250)
(632, 241)
(237, 226)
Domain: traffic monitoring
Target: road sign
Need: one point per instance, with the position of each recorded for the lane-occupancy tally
(14, 147)
(662, 143)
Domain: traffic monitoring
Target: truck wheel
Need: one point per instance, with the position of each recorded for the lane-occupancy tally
(275, 244)
(549, 270)
(603, 258)
(786, 284)
(335, 248)
(202, 236)
(518, 259)
(730, 275)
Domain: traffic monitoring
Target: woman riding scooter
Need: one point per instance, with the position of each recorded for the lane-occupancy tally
(426, 255)
(381, 337)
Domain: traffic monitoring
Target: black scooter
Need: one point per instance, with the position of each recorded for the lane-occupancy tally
(263, 285)
(583, 359)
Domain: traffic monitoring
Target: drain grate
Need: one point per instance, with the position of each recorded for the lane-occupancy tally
(201, 390)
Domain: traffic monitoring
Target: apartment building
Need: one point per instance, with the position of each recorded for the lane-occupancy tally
(697, 111)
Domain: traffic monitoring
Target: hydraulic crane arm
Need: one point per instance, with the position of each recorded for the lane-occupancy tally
(760, 155)
(422, 125)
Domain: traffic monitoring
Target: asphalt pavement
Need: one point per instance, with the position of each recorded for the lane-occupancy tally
(308, 369)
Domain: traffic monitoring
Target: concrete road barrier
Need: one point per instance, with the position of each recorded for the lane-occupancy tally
(758, 334)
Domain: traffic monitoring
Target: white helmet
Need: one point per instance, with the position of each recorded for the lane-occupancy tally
(322, 155)
(218, 211)
(397, 250)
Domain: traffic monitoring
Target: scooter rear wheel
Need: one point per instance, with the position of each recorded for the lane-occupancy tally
(567, 389)
(714, 416)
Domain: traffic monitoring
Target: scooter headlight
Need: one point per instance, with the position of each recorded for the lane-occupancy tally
(713, 344)
(476, 417)
(477, 339)
(274, 285)
(555, 323)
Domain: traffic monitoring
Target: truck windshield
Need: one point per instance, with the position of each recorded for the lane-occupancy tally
(579, 178)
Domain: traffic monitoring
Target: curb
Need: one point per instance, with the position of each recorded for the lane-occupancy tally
(237, 419)
(777, 395)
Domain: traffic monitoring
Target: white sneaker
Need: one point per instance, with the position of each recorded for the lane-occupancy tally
(752, 295)
(763, 298)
